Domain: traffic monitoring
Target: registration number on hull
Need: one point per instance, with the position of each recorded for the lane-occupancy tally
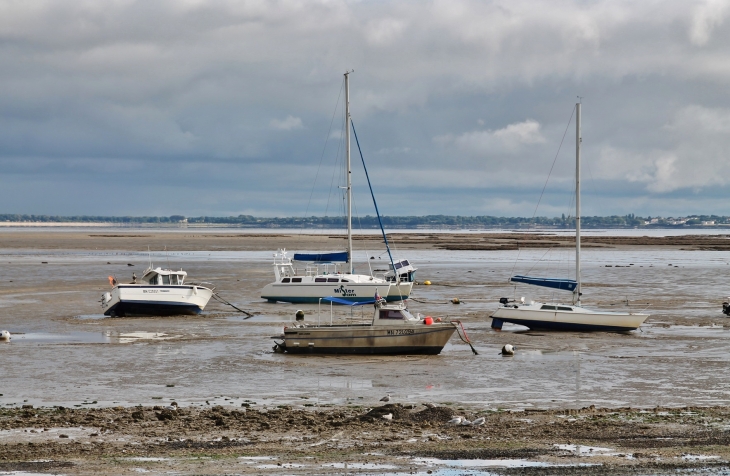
(400, 332)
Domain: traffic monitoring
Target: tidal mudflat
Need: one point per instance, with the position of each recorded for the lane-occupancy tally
(647, 402)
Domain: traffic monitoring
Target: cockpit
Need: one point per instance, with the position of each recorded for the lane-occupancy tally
(164, 277)
(396, 314)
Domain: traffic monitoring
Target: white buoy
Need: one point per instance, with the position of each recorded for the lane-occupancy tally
(455, 421)
(386, 398)
(5, 336)
(508, 349)
(479, 421)
(389, 416)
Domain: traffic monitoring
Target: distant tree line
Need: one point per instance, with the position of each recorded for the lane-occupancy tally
(429, 221)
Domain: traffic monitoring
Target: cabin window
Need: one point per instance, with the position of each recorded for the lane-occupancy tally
(296, 280)
(333, 280)
(285, 280)
(153, 279)
(389, 314)
(549, 308)
(398, 265)
(562, 308)
(405, 262)
(320, 280)
(165, 279)
(345, 281)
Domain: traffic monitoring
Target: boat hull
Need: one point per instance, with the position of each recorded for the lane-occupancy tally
(568, 320)
(153, 300)
(368, 340)
(353, 292)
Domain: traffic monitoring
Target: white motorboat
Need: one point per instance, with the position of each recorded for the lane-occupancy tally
(160, 292)
(566, 317)
(327, 274)
(393, 330)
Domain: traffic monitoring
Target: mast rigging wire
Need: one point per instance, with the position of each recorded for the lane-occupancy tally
(546, 182)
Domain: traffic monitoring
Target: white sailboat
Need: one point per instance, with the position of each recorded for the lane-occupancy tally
(565, 317)
(332, 274)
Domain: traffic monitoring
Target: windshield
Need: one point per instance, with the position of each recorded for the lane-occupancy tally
(408, 315)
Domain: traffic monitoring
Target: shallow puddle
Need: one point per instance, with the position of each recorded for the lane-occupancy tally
(73, 337)
(482, 463)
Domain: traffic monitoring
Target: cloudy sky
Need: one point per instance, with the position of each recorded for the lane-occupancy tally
(161, 107)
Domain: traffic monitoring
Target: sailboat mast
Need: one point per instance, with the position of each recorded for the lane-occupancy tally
(578, 141)
(349, 171)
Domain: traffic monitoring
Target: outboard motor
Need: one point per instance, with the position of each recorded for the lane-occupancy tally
(726, 308)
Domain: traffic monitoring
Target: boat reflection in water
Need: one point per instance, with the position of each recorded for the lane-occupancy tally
(393, 330)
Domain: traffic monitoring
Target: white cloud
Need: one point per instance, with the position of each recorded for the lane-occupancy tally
(695, 156)
(384, 31)
(287, 124)
(705, 18)
(163, 81)
(509, 138)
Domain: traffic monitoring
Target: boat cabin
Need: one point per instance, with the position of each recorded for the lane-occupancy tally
(163, 277)
(388, 315)
(384, 314)
(286, 273)
(405, 271)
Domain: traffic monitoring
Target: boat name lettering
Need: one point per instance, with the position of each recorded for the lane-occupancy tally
(150, 291)
(345, 292)
(400, 332)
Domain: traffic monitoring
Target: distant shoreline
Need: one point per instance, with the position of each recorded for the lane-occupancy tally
(277, 228)
(425, 222)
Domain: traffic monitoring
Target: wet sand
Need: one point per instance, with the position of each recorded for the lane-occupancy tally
(230, 240)
(248, 439)
(308, 413)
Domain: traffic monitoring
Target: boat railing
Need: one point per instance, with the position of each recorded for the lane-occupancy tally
(201, 284)
(319, 312)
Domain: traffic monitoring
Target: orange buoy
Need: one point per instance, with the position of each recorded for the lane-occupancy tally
(428, 320)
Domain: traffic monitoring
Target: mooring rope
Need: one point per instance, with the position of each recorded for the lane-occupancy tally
(465, 338)
(223, 301)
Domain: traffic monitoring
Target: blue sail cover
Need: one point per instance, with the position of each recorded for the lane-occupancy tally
(346, 302)
(337, 257)
(562, 284)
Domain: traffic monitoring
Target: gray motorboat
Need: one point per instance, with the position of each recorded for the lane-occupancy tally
(392, 330)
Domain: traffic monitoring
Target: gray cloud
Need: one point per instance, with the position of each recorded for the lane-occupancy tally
(460, 105)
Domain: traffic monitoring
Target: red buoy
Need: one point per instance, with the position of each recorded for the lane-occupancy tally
(428, 320)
